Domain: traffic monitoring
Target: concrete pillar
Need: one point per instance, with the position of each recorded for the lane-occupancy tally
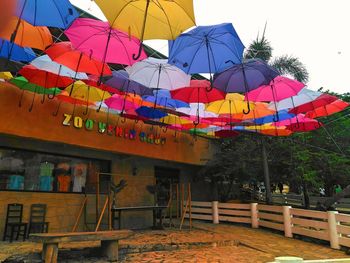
(254, 215)
(287, 221)
(215, 209)
(332, 229)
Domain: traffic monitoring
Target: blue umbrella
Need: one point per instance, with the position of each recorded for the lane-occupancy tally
(163, 98)
(53, 13)
(206, 49)
(282, 115)
(121, 81)
(24, 54)
(244, 77)
(150, 113)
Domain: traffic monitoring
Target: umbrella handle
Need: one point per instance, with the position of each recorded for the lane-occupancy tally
(210, 88)
(276, 118)
(248, 110)
(136, 57)
(123, 120)
(142, 32)
(43, 99)
(32, 105)
(20, 99)
(50, 96)
(86, 110)
(58, 108)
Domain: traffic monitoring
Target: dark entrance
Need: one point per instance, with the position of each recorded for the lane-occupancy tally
(165, 178)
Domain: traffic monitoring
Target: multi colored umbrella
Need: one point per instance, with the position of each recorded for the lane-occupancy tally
(45, 63)
(99, 40)
(14, 52)
(149, 19)
(64, 54)
(279, 88)
(206, 49)
(198, 92)
(326, 110)
(25, 35)
(53, 13)
(43, 78)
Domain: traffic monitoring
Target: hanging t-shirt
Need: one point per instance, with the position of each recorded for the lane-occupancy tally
(63, 183)
(79, 174)
(46, 183)
(16, 182)
(46, 169)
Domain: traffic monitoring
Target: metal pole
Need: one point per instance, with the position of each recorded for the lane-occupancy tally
(266, 173)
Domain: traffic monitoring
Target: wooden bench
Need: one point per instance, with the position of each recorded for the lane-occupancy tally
(109, 242)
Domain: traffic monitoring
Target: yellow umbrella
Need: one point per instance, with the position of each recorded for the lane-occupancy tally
(232, 104)
(6, 75)
(149, 19)
(81, 91)
(174, 120)
(261, 110)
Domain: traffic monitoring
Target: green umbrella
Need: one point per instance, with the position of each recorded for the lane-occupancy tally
(23, 84)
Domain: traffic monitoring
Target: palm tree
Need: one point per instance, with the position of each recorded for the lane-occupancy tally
(286, 64)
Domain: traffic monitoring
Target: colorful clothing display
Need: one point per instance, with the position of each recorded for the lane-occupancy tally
(63, 182)
(16, 182)
(45, 183)
(46, 169)
(79, 174)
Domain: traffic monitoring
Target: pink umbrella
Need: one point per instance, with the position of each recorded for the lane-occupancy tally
(119, 103)
(279, 88)
(101, 41)
(300, 123)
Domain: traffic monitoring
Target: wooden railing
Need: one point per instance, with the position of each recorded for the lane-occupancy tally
(329, 226)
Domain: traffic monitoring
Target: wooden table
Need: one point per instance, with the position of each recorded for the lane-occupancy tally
(109, 242)
(157, 210)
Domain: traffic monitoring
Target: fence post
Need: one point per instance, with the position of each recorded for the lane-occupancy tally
(254, 215)
(332, 228)
(287, 222)
(215, 209)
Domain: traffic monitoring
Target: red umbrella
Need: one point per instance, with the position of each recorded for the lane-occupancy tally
(198, 92)
(326, 110)
(64, 53)
(64, 97)
(226, 134)
(321, 101)
(44, 78)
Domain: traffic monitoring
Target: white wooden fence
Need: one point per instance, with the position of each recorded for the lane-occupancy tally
(329, 226)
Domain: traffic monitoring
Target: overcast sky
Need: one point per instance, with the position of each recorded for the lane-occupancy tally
(315, 31)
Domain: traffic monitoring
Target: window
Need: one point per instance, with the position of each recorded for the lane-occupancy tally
(31, 171)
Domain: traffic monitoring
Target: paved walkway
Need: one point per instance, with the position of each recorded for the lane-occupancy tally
(205, 243)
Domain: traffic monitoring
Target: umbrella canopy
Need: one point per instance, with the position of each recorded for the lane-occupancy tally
(44, 78)
(300, 123)
(304, 96)
(64, 97)
(198, 92)
(326, 110)
(244, 77)
(121, 103)
(25, 35)
(5, 75)
(14, 52)
(45, 63)
(279, 88)
(121, 81)
(82, 91)
(161, 19)
(22, 83)
(282, 115)
(64, 54)
(197, 110)
(150, 113)
(261, 110)
(53, 13)
(321, 101)
(206, 49)
(165, 101)
(158, 74)
(98, 39)
(226, 134)
(232, 104)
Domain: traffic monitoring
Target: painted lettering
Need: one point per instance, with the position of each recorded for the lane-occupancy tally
(67, 119)
(89, 124)
(78, 122)
(102, 127)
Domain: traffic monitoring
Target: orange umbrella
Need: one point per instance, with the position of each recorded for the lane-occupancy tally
(26, 35)
(261, 110)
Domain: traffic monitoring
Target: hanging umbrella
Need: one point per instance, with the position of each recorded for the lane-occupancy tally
(25, 35)
(300, 123)
(45, 63)
(149, 19)
(206, 49)
(158, 74)
(320, 101)
(23, 84)
(101, 41)
(64, 54)
(197, 92)
(197, 112)
(304, 96)
(82, 91)
(121, 81)
(151, 113)
(64, 97)
(5, 75)
(52, 13)
(326, 110)
(163, 98)
(232, 104)
(121, 104)
(283, 115)
(279, 88)
(44, 78)
(24, 54)
(226, 133)
(261, 110)
(102, 86)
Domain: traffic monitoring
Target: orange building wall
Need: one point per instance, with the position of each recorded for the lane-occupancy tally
(41, 124)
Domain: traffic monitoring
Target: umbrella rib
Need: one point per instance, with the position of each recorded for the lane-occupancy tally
(167, 18)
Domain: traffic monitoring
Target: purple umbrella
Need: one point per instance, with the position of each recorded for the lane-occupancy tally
(121, 81)
(245, 77)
